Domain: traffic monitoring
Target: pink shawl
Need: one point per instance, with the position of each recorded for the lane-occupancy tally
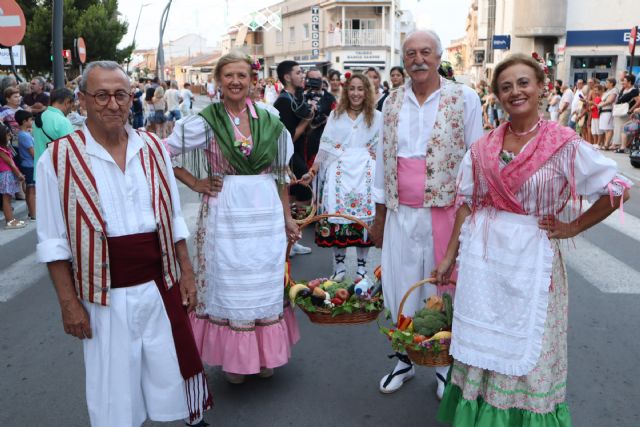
(502, 185)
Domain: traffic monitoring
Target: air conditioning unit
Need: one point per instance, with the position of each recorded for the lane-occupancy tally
(378, 10)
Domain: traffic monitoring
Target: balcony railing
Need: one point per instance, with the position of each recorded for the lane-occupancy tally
(357, 38)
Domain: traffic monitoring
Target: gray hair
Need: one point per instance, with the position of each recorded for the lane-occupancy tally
(430, 33)
(105, 65)
(41, 81)
(6, 82)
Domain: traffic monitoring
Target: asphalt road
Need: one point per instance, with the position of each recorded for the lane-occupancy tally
(332, 378)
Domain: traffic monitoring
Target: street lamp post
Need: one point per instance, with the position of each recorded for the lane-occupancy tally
(56, 33)
(133, 42)
(160, 54)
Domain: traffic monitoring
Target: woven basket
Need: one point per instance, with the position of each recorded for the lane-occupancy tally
(426, 356)
(314, 203)
(322, 315)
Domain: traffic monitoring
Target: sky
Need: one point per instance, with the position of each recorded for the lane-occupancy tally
(206, 18)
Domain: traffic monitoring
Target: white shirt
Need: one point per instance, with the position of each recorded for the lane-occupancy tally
(125, 201)
(211, 87)
(576, 102)
(173, 99)
(415, 123)
(567, 99)
(187, 95)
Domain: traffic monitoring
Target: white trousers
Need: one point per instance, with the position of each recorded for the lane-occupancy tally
(132, 370)
(407, 257)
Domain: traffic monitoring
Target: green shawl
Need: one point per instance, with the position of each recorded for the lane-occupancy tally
(265, 131)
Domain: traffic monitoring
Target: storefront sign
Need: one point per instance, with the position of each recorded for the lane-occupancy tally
(600, 38)
(19, 56)
(502, 42)
(363, 55)
(315, 32)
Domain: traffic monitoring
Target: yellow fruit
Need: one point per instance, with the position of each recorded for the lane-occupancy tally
(328, 283)
(293, 292)
(434, 303)
(442, 335)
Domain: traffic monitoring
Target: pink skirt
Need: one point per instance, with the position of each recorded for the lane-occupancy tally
(246, 350)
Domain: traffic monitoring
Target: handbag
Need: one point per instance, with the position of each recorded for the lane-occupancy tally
(620, 110)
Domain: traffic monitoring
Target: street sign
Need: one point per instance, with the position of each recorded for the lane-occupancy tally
(632, 40)
(12, 23)
(81, 50)
(19, 56)
(502, 42)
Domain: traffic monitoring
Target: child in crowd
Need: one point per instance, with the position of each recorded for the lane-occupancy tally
(26, 152)
(10, 179)
(598, 135)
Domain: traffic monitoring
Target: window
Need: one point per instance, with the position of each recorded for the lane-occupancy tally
(292, 34)
(360, 24)
(279, 37)
(305, 31)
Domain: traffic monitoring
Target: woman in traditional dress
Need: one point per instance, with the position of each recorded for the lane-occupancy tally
(510, 319)
(243, 230)
(345, 166)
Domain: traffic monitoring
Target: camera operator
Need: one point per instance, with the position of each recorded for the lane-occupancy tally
(323, 101)
(296, 115)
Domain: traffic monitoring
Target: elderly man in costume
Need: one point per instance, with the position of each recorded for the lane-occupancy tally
(114, 241)
(429, 123)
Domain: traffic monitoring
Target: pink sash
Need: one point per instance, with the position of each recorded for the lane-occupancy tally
(503, 184)
(411, 179)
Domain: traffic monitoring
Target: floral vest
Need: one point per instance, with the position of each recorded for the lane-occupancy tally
(444, 151)
(85, 225)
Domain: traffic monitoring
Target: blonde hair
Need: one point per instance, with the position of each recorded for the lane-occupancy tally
(369, 103)
(230, 58)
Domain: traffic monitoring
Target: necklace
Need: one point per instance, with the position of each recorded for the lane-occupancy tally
(234, 118)
(524, 133)
(356, 111)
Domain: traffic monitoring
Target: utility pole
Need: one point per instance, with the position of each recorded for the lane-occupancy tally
(56, 33)
(136, 32)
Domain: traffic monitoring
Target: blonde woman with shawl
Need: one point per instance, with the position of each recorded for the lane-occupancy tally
(242, 230)
(517, 185)
(345, 166)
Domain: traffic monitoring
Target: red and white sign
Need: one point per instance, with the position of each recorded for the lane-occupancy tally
(12, 23)
(81, 50)
(632, 40)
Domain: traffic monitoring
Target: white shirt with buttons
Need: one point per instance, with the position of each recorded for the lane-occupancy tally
(125, 200)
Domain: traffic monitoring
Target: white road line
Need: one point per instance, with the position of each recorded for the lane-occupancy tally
(630, 227)
(602, 270)
(8, 236)
(20, 276)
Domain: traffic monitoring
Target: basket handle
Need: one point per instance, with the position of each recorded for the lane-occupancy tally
(317, 218)
(429, 281)
(314, 201)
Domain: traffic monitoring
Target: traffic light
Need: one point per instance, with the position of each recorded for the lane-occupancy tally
(66, 54)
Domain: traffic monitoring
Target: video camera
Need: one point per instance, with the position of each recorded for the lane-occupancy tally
(313, 90)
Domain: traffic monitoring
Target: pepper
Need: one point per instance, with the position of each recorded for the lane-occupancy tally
(336, 301)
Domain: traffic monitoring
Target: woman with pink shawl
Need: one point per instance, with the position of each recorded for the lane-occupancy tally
(518, 188)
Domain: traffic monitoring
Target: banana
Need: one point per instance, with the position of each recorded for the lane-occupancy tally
(442, 335)
(293, 292)
(328, 283)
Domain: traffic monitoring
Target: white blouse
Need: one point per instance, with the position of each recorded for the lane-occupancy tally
(125, 201)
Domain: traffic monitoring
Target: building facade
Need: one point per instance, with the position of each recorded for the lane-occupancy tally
(580, 39)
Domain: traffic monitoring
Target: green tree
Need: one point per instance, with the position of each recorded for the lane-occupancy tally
(97, 21)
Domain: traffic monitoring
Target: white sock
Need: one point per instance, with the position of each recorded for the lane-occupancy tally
(443, 370)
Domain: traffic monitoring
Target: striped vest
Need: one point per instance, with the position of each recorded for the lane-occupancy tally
(444, 153)
(86, 231)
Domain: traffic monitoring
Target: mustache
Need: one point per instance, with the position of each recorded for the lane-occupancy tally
(420, 67)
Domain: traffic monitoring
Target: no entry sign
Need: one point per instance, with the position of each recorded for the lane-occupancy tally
(12, 23)
(81, 50)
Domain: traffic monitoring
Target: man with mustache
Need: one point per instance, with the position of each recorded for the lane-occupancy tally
(429, 123)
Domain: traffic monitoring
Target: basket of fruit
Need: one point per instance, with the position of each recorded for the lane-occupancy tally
(347, 302)
(301, 211)
(427, 335)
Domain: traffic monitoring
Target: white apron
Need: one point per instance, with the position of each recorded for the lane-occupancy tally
(246, 234)
(502, 294)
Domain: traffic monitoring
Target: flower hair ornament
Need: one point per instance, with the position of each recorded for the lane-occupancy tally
(255, 64)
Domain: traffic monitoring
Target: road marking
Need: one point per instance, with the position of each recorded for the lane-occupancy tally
(630, 227)
(20, 276)
(602, 270)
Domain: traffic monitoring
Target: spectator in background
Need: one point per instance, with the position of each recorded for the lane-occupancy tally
(628, 95)
(632, 127)
(52, 123)
(397, 77)
(606, 108)
(594, 103)
(137, 108)
(149, 91)
(554, 104)
(37, 100)
(158, 118)
(565, 105)
(25, 89)
(11, 106)
(6, 82)
(186, 108)
(374, 76)
(10, 179)
(211, 89)
(335, 85)
(576, 104)
(26, 152)
(173, 98)
(324, 104)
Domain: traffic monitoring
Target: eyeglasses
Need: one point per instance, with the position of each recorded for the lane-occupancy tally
(103, 98)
